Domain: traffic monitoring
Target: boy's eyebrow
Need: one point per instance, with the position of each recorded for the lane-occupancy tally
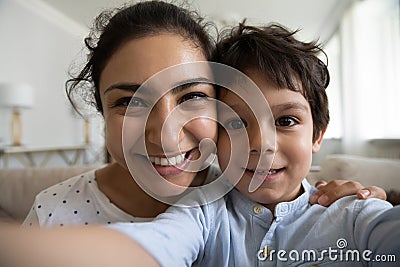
(175, 90)
(290, 105)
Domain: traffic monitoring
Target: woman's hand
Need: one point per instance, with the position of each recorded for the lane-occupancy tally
(330, 192)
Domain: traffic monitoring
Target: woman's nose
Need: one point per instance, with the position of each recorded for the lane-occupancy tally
(163, 128)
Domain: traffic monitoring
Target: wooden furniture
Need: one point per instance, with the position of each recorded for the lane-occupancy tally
(29, 156)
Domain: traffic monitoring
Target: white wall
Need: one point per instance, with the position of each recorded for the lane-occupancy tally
(37, 46)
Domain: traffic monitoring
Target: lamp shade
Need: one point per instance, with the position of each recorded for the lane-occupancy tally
(16, 95)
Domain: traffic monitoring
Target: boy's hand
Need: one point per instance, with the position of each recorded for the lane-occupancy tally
(330, 192)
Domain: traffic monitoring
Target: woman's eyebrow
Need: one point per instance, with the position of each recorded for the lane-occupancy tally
(123, 86)
(183, 85)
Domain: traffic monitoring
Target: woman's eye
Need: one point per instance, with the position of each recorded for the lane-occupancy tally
(286, 121)
(130, 101)
(235, 124)
(192, 96)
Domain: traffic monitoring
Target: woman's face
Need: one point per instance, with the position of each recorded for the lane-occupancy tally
(130, 66)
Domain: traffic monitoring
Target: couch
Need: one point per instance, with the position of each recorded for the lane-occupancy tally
(381, 172)
(18, 187)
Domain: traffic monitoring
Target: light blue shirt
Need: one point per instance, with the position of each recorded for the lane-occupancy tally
(235, 231)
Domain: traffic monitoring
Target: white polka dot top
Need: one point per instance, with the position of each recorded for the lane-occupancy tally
(76, 201)
(79, 201)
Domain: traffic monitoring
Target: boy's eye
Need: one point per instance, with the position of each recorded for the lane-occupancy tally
(137, 102)
(286, 121)
(192, 96)
(235, 124)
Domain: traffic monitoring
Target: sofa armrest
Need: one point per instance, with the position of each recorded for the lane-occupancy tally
(381, 172)
(18, 187)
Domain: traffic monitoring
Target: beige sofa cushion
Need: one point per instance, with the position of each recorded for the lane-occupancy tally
(384, 173)
(18, 187)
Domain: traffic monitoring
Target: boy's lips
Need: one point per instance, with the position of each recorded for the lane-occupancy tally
(263, 174)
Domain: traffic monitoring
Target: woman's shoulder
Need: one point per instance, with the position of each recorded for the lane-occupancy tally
(71, 184)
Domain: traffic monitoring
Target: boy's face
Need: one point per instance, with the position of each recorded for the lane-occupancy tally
(292, 153)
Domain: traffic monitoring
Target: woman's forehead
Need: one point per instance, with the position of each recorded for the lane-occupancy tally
(139, 59)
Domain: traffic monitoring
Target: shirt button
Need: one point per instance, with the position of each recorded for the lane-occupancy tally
(257, 209)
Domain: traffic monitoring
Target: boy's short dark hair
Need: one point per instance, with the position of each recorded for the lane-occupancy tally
(284, 60)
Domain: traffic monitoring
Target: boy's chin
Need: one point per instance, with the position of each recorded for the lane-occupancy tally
(261, 195)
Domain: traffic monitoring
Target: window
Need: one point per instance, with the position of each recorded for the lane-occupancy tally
(364, 62)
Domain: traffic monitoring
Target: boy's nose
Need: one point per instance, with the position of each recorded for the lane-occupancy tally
(262, 139)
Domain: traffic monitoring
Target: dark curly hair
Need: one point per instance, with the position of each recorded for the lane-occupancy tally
(284, 60)
(112, 28)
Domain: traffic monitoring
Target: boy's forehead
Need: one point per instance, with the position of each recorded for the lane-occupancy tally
(268, 95)
(231, 97)
(231, 101)
(227, 94)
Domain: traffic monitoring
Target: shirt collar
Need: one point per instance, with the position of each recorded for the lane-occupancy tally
(248, 206)
(285, 208)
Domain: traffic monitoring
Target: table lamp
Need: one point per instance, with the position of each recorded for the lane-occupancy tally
(16, 96)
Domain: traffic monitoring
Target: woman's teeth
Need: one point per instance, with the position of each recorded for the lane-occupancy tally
(171, 161)
(263, 172)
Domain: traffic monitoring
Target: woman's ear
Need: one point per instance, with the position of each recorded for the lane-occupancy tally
(317, 143)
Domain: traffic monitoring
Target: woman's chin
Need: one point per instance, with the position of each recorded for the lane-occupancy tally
(171, 190)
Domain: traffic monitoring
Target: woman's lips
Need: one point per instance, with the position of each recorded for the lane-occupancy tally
(165, 166)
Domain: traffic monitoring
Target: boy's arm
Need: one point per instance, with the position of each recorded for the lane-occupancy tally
(330, 192)
(377, 233)
(184, 235)
(176, 237)
(69, 247)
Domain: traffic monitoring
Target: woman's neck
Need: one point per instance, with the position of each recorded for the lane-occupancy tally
(122, 190)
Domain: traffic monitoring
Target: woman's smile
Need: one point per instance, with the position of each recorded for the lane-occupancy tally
(173, 165)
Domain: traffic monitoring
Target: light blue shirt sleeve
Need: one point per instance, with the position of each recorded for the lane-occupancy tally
(383, 239)
(176, 237)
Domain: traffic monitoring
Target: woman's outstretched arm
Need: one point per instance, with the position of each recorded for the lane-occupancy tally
(69, 247)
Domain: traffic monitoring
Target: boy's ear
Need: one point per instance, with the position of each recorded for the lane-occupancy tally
(317, 143)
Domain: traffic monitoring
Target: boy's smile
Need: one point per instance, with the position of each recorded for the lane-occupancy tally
(263, 175)
(281, 165)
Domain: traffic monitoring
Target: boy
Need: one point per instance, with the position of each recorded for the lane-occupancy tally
(268, 221)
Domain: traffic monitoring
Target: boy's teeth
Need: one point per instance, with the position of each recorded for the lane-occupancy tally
(168, 161)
